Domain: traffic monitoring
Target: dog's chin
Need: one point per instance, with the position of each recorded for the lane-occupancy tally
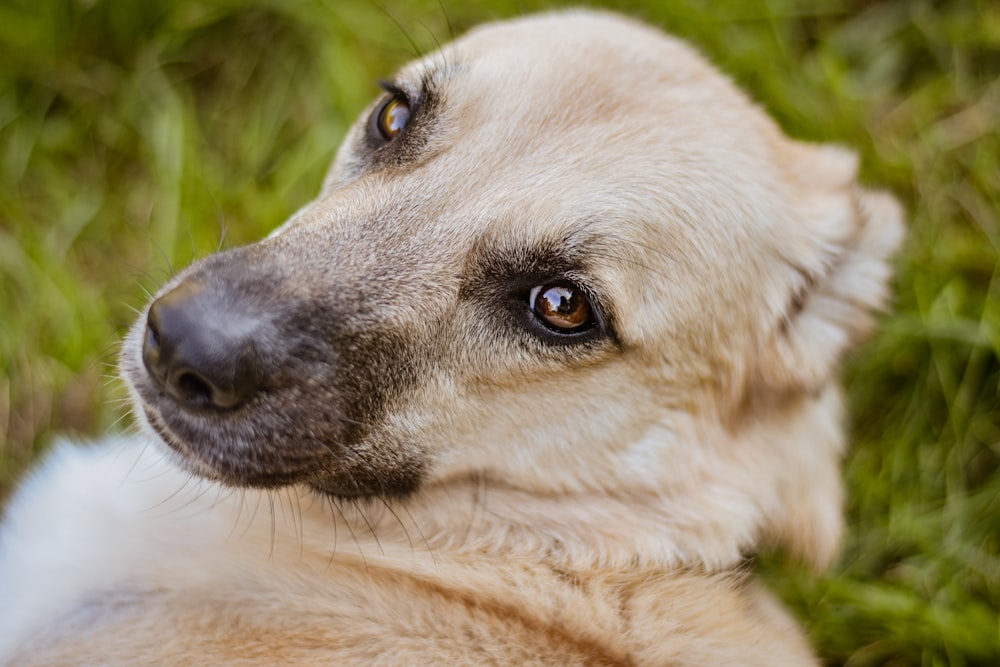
(189, 456)
(180, 455)
(339, 488)
(326, 475)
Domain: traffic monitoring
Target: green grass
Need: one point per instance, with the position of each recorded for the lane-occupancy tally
(136, 136)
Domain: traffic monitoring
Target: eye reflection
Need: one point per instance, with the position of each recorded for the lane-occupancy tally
(393, 117)
(561, 307)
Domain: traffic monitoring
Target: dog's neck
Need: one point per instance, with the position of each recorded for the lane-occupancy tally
(710, 517)
(580, 531)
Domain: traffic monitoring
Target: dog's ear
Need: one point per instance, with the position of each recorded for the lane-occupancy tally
(834, 252)
(836, 257)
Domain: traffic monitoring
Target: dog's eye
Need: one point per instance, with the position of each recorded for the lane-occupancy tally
(393, 117)
(561, 307)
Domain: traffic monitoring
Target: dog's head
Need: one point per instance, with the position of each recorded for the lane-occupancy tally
(564, 258)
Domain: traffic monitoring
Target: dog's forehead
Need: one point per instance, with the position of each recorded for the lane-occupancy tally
(578, 113)
(552, 75)
(577, 108)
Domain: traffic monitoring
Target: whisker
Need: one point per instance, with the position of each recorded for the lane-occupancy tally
(301, 528)
(239, 514)
(437, 43)
(416, 52)
(423, 538)
(131, 468)
(253, 515)
(223, 231)
(371, 529)
(205, 488)
(120, 419)
(354, 535)
(166, 258)
(447, 18)
(170, 497)
(386, 504)
(270, 503)
(333, 552)
(295, 510)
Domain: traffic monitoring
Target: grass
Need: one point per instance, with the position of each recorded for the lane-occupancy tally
(136, 136)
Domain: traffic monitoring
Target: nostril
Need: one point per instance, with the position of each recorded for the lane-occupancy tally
(193, 389)
(152, 336)
(151, 350)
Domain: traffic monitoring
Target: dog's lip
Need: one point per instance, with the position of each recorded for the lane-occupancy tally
(328, 486)
(193, 436)
(195, 462)
(189, 455)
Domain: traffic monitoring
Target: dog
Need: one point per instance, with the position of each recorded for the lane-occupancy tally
(554, 351)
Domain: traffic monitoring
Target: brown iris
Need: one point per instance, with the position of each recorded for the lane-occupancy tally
(561, 307)
(393, 117)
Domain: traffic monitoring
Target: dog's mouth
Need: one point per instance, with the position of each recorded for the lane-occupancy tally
(250, 447)
(240, 447)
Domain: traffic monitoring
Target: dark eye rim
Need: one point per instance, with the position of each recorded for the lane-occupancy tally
(595, 326)
(394, 94)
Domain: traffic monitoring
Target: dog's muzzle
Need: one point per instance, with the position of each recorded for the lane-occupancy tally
(256, 381)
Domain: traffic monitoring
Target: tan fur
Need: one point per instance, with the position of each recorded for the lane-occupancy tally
(588, 506)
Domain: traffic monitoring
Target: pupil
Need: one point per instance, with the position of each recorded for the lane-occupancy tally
(562, 299)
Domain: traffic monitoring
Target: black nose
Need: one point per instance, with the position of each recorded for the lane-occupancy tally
(199, 350)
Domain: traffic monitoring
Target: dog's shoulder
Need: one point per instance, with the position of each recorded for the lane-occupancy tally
(81, 522)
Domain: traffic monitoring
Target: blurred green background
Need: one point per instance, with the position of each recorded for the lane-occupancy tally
(137, 135)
